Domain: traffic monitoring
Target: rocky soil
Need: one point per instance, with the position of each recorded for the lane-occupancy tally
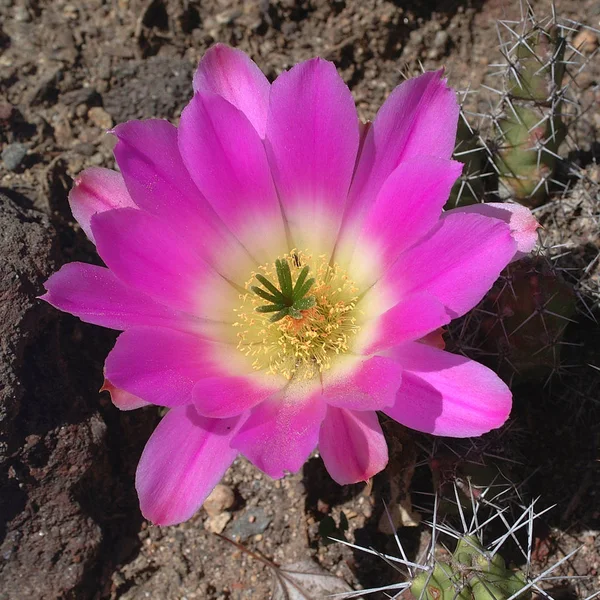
(70, 527)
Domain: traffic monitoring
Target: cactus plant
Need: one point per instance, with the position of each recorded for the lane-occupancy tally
(516, 156)
(524, 320)
(474, 570)
(469, 150)
(471, 573)
(530, 126)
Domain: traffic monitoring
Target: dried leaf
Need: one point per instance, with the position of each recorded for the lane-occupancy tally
(306, 580)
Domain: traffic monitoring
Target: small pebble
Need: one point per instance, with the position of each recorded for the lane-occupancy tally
(81, 110)
(96, 159)
(13, 155)
(21, 14)
(220, 499)
(100, 118)
(252, 522)
(6, 110)
(441, 39)
(586, 40)
(228, 16)
(217, 523)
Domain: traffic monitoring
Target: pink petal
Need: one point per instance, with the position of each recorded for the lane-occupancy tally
(312, 140)
(371, 384)
(148, 155)
(230, 73)
(523, 225)
(160, 365)
(96, 296)
(280, 433)
(418, 119)
(226, 158)
(121, 399)
(412, 318)
(96, 190)
(447, 394)
(222, 397)
(184, 459)
(146, 255)
(352, 445)
(408, 206)
(457, 262)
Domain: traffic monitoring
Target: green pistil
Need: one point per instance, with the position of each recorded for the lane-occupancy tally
(288, 299)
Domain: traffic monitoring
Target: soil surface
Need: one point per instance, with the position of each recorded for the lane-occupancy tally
(70, 526)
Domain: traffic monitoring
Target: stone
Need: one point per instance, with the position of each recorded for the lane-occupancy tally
(67, 490)
(217, 523)
(586, 41)
(13, 155)
(220, 499)
(100, 118)
(249, 524)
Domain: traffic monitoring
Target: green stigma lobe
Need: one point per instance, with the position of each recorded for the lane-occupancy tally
(291, 298)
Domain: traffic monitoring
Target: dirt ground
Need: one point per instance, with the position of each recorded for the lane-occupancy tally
(69, 522)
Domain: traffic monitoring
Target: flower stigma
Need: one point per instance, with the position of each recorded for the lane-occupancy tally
(297, 326)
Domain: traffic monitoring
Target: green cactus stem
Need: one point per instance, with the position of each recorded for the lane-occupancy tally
(531, 127)
(471, 573)
(525, 318)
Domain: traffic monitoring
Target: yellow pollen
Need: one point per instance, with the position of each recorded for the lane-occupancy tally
(300, 348)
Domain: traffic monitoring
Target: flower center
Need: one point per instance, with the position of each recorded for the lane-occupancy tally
(298, 314)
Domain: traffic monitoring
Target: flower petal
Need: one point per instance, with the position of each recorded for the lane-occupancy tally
(222, 397)
(226, 159)
(230, 73)
(121, 399)
(162, 366)
(362, 384)
(184, 459)
(352, 445)
(418, 119)
(408, 206)
(148, 155)
(96, 190)
(447, 394)
(457, 262)
(145, 254)
(280, 433)
(312, 140)
(96, 296)
(412, 318)
(523, 225)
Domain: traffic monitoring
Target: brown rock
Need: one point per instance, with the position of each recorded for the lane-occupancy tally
(63, 497)
(586, 41)
(217, 523)
(100, 118)
(220, 499)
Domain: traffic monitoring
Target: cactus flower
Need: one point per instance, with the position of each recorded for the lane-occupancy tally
(277, 270)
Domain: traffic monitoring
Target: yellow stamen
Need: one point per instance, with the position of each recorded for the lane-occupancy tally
(300, 348)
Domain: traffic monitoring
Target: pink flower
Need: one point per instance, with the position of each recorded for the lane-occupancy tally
(273, 274)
